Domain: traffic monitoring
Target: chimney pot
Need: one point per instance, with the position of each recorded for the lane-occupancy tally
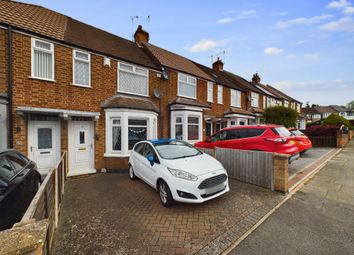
(218, 65)
(256, 79)
(141, 36)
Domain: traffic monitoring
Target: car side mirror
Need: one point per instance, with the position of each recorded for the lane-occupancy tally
(3, 187)
(151, 159)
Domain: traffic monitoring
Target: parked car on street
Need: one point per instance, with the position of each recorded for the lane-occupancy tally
(270, 138)
(19, 182)
(302, 142)
(179, 171)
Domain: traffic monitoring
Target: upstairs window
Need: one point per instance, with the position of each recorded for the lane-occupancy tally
(42, 60)
(133, 80)
(254, 99)
(187, 86)
(235, 98)
(286, 103)
(82, 68)
(210, 92)
(220, 94)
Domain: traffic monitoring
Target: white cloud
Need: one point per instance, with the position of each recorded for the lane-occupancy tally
(298, 42)
(288, 85)
(206, 44)
(247, 14)
(318, 85)
(311, 56)
(273, 51)
(345, 24)
(225, 20)
(342, 5)
(291, 56)
(303, 21)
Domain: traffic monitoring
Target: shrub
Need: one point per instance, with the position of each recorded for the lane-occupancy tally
(336, 120)
(281, 115)
(322, 130)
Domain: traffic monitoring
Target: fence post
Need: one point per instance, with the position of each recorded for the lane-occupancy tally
(56, 197)
(62, 177)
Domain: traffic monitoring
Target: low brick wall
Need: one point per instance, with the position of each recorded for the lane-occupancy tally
(351, 134)
(342, 139)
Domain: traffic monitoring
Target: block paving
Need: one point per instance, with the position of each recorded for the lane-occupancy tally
(110, 214)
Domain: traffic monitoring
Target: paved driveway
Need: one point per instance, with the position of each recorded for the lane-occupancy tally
(110, 214)
(306, 159)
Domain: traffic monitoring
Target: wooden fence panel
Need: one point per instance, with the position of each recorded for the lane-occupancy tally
(253, 167)
(323, 141)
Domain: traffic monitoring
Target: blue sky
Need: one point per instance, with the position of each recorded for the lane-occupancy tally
(305, 48)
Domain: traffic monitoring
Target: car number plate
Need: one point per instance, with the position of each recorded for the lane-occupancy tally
(215, 189)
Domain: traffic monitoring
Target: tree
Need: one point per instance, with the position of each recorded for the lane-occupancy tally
(281, 115)
(350, 105)
(335, 120)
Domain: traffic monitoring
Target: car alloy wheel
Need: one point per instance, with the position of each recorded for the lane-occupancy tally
(131, 173)
(165, 194)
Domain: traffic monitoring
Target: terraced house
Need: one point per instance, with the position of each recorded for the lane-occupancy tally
(68, 86)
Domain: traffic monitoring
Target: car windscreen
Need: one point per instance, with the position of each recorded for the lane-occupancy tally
(297, 132)
(176, 149)
(282, 131)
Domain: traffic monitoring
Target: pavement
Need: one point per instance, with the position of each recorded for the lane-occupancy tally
(110, 214)
(307, 159)
(318, 219)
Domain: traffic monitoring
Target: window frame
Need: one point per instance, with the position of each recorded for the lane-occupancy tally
(184, 115)
(237, 94)
(111, 129)
(139, 126)
(178, 85)
(51, 51)
(81, 60)
(254, 95)
(220, 90)
(210, 92)
(134, 67)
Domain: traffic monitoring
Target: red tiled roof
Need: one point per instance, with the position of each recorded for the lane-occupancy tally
(130, 102)
(176, 62)
(232, 110)
(190, 102)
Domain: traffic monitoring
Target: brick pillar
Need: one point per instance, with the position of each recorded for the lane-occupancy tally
(281, 174)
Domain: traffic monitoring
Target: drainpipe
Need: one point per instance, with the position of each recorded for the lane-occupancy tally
(10, 87)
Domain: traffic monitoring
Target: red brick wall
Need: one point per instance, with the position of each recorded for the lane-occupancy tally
(3, 61)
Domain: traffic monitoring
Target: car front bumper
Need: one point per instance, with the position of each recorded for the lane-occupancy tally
(200, 195)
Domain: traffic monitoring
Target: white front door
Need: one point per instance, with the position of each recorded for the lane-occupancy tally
(81, 152)
(44, 144)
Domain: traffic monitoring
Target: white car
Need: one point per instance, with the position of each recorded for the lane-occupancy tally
(178, 171)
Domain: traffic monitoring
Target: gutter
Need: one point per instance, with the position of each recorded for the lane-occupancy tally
(10, 87)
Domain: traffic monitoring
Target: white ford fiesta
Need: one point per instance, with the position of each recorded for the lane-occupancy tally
(178, 171)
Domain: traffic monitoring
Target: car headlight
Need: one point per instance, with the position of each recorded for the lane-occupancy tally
(182, 174)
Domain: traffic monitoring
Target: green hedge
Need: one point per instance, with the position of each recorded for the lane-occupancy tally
(281, 115)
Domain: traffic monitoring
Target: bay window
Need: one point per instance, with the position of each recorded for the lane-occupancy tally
(210, 92)
(126, 127)
(186, 125)
(179, 128)
(193, 128)
(132, 79)
(254, 99)
(235, 98)
(81, 68)
(42, 60)
(220, 89)
(187, 86)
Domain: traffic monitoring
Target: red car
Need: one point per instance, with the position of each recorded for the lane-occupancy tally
(302, 142)
(270, 138)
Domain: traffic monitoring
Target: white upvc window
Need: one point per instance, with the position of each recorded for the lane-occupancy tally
(187, 86)
(133, 79)
(186, 125)
(235, 98)
(298, 107)
(81, 68)
(254, 99)
(126, 127)
(286, 103)
(220, 94)
(264, 102)
(42, 60)
(210, 92)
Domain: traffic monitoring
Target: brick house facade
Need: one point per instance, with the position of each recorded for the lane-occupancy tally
(104, 93)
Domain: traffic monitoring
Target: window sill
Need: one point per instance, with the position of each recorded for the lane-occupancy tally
(134, 94)
(187, 97)
(82, 86)
(41, 79)
(111, 155)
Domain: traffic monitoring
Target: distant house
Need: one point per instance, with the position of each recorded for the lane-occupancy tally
(319, 113)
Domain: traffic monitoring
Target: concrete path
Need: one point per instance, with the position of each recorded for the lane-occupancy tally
(318, 219)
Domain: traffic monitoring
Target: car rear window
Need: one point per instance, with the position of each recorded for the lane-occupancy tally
(297, 132)
(6, 169)
(18, 162)
(282, 131)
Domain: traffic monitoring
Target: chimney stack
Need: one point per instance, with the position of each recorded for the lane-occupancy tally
(256, 79)
(141, 36)
(218, 65)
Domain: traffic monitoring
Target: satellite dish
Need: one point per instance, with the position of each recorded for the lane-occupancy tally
(157, 93)
(165, 73)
